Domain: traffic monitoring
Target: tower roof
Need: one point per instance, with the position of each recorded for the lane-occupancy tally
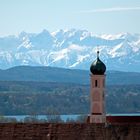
(98, 67)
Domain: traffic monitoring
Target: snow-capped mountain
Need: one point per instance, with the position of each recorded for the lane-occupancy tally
(71, 49)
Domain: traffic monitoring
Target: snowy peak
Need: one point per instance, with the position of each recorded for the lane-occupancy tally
(71, 49)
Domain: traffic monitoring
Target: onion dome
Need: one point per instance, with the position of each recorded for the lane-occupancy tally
(98, 67)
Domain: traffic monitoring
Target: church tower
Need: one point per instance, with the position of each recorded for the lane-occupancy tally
(97, 93)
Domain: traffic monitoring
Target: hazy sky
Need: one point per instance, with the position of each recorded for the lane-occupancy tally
(98, 16)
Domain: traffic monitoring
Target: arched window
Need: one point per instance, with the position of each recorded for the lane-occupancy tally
(96, 83)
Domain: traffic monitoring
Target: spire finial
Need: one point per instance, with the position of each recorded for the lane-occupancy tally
(98, 54)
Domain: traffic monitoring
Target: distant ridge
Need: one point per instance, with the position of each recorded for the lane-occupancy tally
(61, 75)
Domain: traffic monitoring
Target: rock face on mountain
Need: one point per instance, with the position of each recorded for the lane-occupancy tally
(69, 131)
(70, 49)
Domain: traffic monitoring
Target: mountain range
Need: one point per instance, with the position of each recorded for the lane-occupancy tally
(75, 49)
(68, 76)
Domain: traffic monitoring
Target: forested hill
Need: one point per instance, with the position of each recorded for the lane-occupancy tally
(27, 98)
(40, 90)
(60, 75)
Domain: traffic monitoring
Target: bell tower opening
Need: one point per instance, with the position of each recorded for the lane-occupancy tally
(96, 83)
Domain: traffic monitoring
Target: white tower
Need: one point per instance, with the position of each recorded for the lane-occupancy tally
(97, 93)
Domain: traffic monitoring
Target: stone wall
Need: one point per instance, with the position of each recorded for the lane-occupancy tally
(73, 131)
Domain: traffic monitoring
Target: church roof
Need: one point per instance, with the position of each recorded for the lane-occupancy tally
(98, 67)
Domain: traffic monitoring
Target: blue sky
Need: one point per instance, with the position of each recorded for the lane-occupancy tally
(98, 16)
